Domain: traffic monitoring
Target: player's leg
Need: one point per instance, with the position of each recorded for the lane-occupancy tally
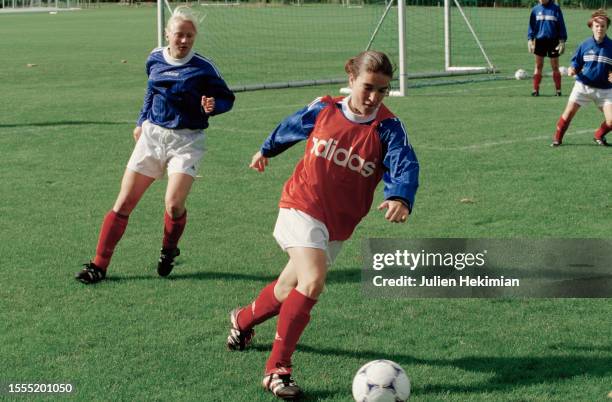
(184, 151)
(605, 127)
(580, 95)
(133, 186)
(554, 64)
(564, 122)
(268, 302)
(175, 219)
(537, 72)
(265, 306)
(310, 267)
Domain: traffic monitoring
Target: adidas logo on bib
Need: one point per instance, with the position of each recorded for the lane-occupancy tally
(329, 150)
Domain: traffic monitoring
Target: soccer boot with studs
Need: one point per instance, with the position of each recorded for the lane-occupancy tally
(237, 338)
(90, 273)
(282, 386)
(601, 141)
(166, 260)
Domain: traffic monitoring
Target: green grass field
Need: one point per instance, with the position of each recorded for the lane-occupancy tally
(65, 137)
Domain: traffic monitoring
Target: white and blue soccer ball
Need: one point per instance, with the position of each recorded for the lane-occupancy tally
(381, 381)
(520, 74)
(563, 70)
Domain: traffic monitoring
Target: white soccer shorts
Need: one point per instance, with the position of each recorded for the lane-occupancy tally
(295, 228)
(159, 149)
(583, 94)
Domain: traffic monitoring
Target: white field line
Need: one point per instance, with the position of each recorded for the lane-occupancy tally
(504, 142)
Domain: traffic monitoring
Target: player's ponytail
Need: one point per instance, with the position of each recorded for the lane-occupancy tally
(600, 16)
(370, 61)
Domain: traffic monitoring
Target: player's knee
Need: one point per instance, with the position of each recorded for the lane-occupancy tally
(282, 290)
(175, 209)
(125, 206)
(312, 287)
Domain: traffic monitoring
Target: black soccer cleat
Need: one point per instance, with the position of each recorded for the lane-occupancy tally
(283, 386)
(90, 273)
(558, 93)
(601, 141)
(237, 338)
(555, 143)
(535, 93)
(166, 260)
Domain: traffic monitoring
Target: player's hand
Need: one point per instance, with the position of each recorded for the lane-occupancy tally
(136, 133)
(531, 45)
(571, 71)
(208, 104)
(610, 76)
(397, 211)
(259, 162)
(560, 47)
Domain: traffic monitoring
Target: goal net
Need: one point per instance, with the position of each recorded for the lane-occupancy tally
(304, 42)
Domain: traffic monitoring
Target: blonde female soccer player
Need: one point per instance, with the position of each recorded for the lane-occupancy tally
(592, 66)
(352, 143)
(184, 89)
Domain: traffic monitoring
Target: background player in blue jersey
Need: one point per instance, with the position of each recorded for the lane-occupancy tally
(592, 66)
(352, 143)
(546, 37)
(184, 89)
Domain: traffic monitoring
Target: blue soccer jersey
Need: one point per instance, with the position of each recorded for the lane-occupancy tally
(546, 22)
(175, 89)
(593, 62)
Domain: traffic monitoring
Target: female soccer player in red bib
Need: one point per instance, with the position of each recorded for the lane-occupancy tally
(184, 89)
(352, 143)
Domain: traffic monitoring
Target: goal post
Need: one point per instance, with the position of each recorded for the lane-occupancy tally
(295, 43)
(448, 64)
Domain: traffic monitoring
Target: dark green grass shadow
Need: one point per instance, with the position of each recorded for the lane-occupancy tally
(64, 123)
(333, 277)
(509, 372)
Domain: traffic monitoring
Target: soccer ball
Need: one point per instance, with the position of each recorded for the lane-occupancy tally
(563, 70)
(520, 74)
(381, 381)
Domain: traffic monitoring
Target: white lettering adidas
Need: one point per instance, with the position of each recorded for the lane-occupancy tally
(329, 150)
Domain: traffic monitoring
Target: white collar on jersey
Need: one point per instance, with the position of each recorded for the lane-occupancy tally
(355, 118)
(176, 62)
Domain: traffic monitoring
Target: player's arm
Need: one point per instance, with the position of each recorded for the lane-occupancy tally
(561, 32)
(290, 131)
(531, 33)
(401, 176)
(144, 112)
(146, 104)
(218, 98)
(576, 62)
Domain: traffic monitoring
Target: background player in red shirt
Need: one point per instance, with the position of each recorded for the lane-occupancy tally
(352, 143)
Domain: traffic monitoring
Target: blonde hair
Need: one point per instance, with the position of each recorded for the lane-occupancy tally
(180, 14)
(370, 61)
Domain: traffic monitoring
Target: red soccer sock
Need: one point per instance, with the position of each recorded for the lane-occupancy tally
(292, 320)
(537, 78)
(602, 130)
(562, 126)
(173, 229)
(557, 80)
(113, 227)
(265, 306)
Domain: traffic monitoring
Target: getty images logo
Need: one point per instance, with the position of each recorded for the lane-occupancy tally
(329, 150)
